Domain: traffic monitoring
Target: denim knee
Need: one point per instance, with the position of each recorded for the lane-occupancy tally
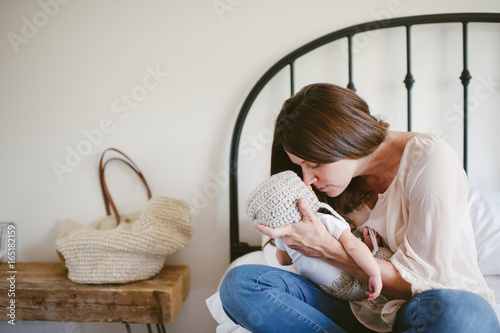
(229, 284)
(447, 310)
(238, 286)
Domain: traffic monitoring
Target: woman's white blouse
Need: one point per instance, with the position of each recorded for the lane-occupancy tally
(423, 217)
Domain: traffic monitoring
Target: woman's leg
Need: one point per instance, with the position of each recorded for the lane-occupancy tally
(446, 310)
(267, 299)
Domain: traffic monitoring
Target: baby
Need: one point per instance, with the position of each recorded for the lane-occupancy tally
(274, 204)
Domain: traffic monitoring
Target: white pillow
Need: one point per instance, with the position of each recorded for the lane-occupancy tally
(226, 325)
(484, 208)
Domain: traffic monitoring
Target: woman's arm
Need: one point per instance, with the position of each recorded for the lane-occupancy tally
(311, 238)
(393, 284)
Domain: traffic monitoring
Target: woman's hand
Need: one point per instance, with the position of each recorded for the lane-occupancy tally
(309, 236)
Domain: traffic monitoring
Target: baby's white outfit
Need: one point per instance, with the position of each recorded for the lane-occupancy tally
(329, 278)
(313, 269)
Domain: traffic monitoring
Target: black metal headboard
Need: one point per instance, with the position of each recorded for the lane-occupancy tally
(239, 248)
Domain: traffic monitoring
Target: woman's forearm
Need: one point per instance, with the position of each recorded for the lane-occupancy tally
(283, 258)
(394, 284)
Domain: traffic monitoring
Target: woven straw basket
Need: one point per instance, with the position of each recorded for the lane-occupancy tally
(134, 250)
(124, 248)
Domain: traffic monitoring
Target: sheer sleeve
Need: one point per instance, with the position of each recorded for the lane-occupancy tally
(436, 247)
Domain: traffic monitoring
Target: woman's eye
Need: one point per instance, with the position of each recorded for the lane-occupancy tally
(316, 166)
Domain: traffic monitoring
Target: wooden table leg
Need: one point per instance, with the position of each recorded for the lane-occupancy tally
(161, 328)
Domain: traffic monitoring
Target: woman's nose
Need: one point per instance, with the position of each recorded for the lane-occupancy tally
(308, 178)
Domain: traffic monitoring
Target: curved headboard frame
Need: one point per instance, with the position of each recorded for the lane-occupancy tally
(239, 248)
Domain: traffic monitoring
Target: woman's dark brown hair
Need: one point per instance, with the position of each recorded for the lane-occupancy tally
(325, 123)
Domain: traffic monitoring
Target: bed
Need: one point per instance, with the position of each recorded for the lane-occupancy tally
(432, 73)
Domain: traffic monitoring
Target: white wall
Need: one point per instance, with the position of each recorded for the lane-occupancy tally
(66, 69)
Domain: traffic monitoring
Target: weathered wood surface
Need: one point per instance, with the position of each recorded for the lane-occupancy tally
(43, 292)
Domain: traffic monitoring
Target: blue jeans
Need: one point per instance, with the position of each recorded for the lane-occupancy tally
(267, 299)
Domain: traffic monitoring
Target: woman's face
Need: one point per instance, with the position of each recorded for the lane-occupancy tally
(330, 178)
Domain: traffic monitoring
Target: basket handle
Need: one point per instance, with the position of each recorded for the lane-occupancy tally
(108, 201)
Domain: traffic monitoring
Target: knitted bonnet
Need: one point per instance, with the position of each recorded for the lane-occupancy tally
(274, 202)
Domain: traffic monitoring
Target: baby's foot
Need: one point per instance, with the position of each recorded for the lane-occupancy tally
(368, 240)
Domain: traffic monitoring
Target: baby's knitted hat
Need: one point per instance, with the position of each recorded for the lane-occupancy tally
(274, 202)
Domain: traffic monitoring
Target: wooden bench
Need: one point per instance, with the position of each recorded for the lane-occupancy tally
(43, 292)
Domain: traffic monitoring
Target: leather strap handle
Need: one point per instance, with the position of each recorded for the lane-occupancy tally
(108, 201)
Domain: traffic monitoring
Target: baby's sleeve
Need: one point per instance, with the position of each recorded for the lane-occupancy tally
(336, 226)
(279, 244)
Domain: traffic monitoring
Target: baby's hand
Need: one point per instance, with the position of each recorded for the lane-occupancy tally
(375, 285)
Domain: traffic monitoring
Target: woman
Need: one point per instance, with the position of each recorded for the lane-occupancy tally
(409, 187)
